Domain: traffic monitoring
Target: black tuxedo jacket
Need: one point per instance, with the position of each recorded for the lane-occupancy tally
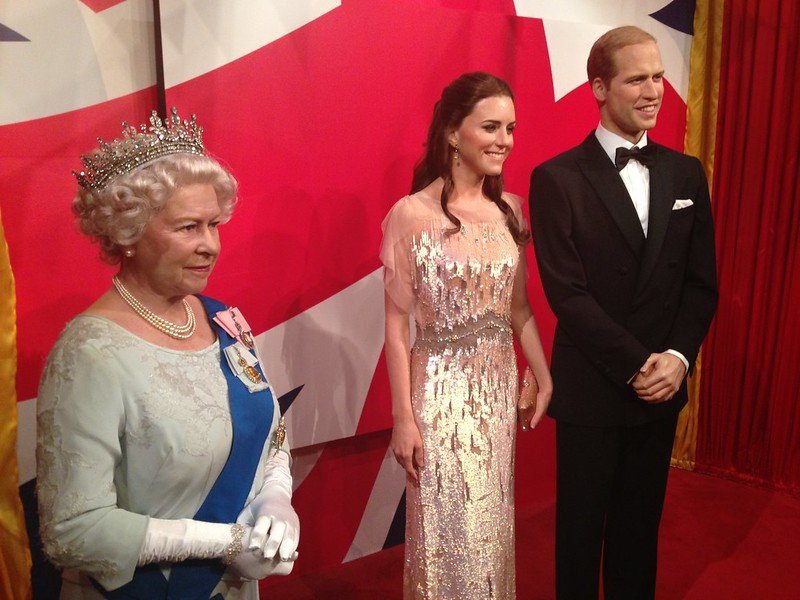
(617, 295)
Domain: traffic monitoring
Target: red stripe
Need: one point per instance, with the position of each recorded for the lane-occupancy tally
(101, 5)
(377, 411)
(331, 500)
(322, 128)
(57, 271)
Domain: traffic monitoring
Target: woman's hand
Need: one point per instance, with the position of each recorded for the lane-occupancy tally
(407, 447)
(534, 398)
(527, 400)
(251, 565)
(543, 395)
(276, 528)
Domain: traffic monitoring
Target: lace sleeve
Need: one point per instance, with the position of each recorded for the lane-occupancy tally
(522, 275)
(515, 202)
(80, 422)
(396, 255)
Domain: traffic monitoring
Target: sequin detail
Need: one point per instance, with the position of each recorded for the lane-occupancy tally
(460, 521)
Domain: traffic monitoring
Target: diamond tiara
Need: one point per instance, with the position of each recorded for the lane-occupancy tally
(137, 147)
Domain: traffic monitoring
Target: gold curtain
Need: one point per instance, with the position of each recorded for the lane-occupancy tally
(15, 559)
(701, 132)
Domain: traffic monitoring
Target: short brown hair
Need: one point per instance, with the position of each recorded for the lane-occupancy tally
(601, 57)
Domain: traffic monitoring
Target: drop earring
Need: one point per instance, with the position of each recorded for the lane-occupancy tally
(457, 155)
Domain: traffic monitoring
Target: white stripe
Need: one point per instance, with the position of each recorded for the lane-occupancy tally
(26, 440)
(202, 35)
(568, 45)
(75, 57)
(380, 509)
(585, 11)
(123, 38)
(332, 350)
(572, 26)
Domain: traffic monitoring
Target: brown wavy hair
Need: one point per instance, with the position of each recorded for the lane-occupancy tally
(457, 102)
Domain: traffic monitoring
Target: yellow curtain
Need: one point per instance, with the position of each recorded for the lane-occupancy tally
(701, 132)
(15, 558)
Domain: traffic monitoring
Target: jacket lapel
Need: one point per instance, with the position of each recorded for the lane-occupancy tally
(661, 198)
(605, 180)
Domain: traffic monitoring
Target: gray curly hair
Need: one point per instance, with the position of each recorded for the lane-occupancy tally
(117, 215)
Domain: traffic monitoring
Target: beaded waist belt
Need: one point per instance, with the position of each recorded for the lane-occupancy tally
(490, 325)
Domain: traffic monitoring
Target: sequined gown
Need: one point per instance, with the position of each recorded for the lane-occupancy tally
(460, 520)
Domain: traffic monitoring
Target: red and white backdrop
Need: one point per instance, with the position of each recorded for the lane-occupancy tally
(320, 110)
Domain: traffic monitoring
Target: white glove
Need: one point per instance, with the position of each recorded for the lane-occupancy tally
(176, 540)
(276, 527)
(251, 564)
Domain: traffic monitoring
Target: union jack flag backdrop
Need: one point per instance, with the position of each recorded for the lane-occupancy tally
(320, 109)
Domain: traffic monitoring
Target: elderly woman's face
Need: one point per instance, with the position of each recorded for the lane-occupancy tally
(178, 250)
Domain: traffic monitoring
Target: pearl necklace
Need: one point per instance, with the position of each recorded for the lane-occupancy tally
(179, 332)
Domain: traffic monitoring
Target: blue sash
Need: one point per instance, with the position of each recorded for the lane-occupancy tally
(251, 418)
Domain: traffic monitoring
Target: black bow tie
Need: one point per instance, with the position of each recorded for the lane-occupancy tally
(646, 156)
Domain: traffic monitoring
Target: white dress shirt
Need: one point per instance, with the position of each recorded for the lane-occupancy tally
(635, 175)
(636, 178)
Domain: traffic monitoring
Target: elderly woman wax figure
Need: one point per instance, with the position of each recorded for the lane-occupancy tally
(163, 469)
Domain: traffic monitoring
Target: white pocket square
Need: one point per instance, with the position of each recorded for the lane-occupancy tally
(679, 204)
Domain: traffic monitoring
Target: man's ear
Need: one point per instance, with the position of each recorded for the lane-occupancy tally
(599, 89)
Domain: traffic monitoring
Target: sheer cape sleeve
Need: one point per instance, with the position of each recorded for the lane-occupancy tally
(515, 202)
(398, 231)
(523, 273)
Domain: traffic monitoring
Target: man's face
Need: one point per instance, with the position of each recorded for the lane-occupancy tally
(629, 103)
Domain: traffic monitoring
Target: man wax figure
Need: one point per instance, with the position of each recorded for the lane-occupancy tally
(625, 245)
